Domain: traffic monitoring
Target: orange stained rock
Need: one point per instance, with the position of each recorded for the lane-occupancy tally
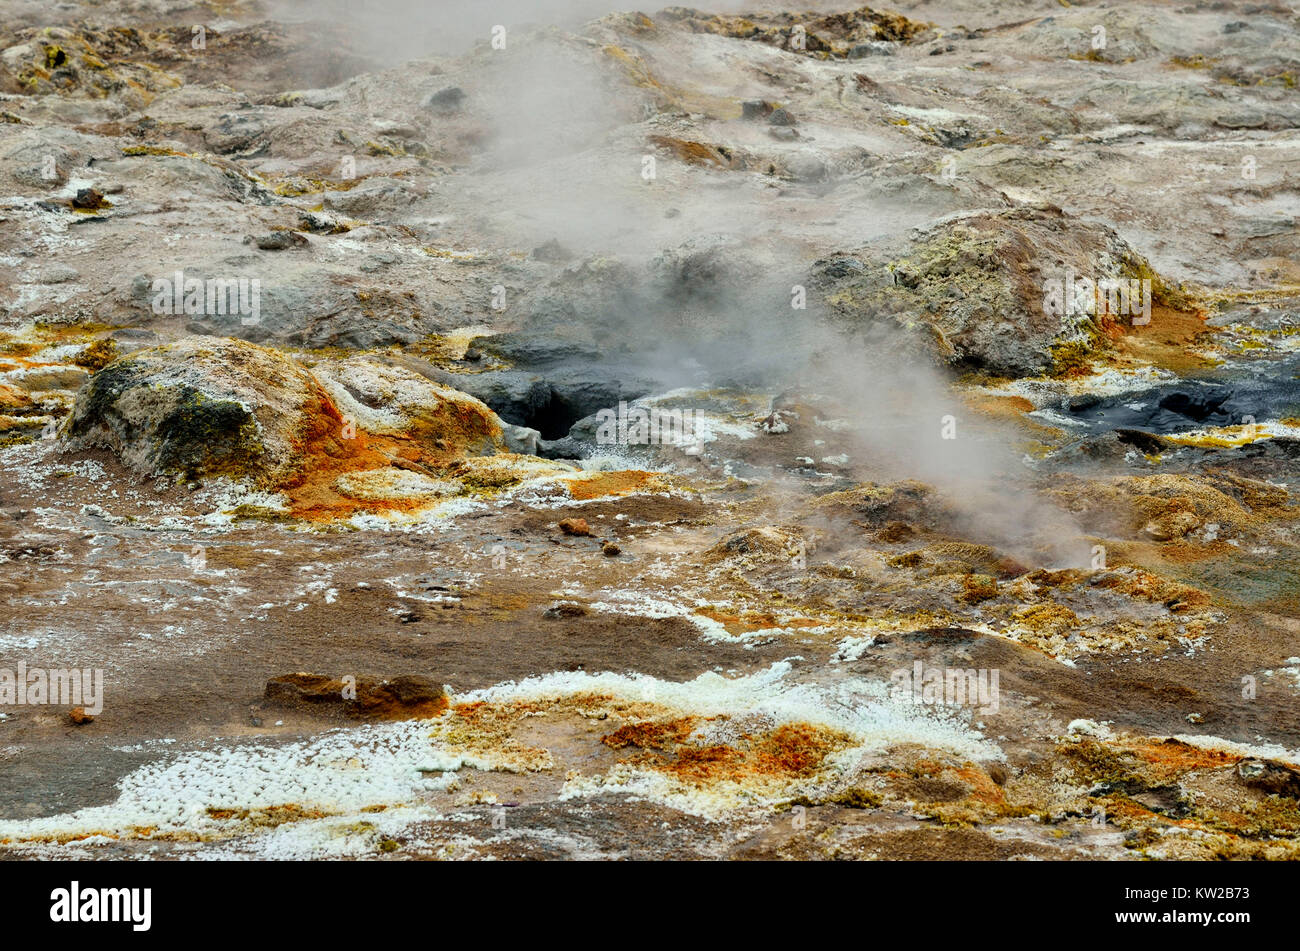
(330, 446)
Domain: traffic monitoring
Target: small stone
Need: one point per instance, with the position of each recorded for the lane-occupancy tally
(575, 526)
(89, 199)
(610, 550)
(781, 117)
(79, 716)
(1270, 776)
(277, 240)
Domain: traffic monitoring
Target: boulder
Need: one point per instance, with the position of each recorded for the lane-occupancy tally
(203, 406)
(976, 286)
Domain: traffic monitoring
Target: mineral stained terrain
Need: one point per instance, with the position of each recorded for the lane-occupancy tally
(473, 431)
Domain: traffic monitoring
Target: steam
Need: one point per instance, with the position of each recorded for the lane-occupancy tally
(706, 261)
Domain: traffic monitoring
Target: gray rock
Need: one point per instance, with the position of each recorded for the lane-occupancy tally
(277, 241)
(445, 100)
(874, 48)
(977, 285)
(375, 199)
(236, 133)
(58, 274)
(520, 439)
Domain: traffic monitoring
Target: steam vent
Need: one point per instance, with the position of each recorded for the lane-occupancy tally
(550, 430)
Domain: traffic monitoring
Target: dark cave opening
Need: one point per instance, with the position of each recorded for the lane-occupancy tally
(554, 417)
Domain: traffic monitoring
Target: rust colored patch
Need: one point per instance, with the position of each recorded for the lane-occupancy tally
(470, 711)
(983, 789)
(706, 762)
(749, 621)
(1152, 587)
(651, 735)
(795, 749)
(1165, 342)
(791, 751)
(269, 817)
(693, 153)
(1000, 406)
(12, 398)
(614, 484)
(1172, 758)
(326, 454)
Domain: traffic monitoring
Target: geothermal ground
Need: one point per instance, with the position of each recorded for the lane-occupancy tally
(497, 431)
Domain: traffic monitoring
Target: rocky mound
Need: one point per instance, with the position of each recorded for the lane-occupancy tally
(833, 34)
(980, 287)
(203, 406)
(357, 428)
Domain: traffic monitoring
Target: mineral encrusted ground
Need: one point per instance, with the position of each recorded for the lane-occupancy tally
(390, 482)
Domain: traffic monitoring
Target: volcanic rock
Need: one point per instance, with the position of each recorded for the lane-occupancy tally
(407, 697)
(202, 406)
(976, 286)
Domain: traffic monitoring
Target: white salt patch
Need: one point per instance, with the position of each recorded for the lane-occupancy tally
(1258, 751)
(852, 648)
